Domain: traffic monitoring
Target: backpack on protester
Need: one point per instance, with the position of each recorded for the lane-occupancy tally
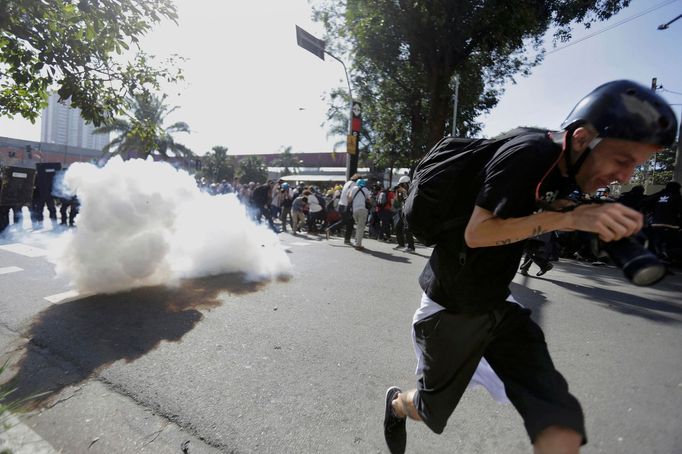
(432, 207)
(368, 203)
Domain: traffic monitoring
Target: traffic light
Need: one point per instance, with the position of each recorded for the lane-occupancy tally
(654, 83)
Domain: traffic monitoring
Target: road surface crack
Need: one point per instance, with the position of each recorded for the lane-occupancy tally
(156, 434)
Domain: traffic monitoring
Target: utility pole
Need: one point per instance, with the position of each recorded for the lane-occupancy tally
(455, 95)
(677, 174)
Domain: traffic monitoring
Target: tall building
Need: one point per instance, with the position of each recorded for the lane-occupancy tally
(63, 125)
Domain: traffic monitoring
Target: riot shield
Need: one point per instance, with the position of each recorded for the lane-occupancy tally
(45, 172)
(17, 186)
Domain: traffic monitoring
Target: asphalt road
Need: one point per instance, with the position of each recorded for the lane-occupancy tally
(302, 365)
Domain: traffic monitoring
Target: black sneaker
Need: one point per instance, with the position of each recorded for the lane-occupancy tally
(394, 427)
(544, 270)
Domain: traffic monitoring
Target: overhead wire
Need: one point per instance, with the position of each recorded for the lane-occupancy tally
(670, 91)
(612, 26)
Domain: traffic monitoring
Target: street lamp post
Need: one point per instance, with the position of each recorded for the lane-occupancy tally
(455, 96)
(317, 47)
(667, 24)
(677, 175)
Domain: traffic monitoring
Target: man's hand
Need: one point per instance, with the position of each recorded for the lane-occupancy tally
(611, 221)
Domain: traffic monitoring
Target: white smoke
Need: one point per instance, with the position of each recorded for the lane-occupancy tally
(144, 223)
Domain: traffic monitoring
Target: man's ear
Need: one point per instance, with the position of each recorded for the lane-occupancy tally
(582, 137)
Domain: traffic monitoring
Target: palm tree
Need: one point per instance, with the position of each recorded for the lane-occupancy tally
(142, 133)
(217, 165)
(289, 161)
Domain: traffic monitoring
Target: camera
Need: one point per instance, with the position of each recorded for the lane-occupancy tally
(639, 265)
(631, 255)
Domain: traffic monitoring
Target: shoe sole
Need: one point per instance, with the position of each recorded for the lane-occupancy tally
(390, 396)
(388, 413)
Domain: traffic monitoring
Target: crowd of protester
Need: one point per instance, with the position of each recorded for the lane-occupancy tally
(360, 208)
(364, 208)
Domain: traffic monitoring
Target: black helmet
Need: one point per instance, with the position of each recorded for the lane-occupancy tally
(626, 110)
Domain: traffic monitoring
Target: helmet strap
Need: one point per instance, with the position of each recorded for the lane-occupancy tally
(574, 168)
(568, 145)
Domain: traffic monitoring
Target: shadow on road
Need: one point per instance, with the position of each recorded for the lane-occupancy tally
(386, 256)
(626, 303)
(610, 275)
(426, 256)
(532, 299)
(94, 332)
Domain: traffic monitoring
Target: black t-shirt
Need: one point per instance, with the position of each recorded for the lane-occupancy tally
(519, 179)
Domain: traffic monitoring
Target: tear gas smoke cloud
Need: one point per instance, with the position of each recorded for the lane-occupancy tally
(145, 223)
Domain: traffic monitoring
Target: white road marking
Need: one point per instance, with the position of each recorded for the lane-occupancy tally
(299, 243)
(10, 269)
(23, 249)
(59, 297)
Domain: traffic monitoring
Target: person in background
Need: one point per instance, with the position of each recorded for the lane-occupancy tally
(402, 230)
(665, 219)
(633, 198)
(260, 200)
(298, 208)
(314, 210)
(345, 211)
(71, 205)
(285, 205)
(384, 209)
(275, 204)
(357, 199)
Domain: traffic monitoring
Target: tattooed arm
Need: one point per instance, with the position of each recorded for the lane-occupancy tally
(611, 221)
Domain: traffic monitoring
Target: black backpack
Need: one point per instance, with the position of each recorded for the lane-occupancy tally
(434, 204)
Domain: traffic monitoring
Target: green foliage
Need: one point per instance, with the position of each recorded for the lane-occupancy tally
(252, 168)
(6, 406)
(405, 55)
(141, 133)
(74, 45)
(658, 170)
(289, 161)
(218, 165)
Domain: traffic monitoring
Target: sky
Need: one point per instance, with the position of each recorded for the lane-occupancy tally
(250, 88)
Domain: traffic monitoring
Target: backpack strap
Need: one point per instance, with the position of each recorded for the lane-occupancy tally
(356, 194)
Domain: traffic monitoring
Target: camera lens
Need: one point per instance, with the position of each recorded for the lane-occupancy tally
(639, 265)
